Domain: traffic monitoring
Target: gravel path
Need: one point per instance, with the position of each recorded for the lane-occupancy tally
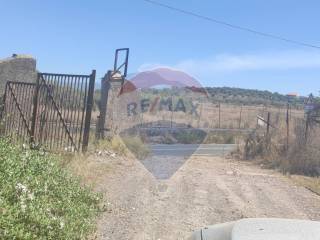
(204, 191)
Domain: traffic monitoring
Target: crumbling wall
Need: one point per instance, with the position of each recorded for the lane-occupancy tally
(20, 68)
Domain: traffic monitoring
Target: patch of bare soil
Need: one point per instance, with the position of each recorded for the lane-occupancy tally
(204, 191)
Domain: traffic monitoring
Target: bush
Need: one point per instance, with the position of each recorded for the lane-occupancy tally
(124, 144)
(301, 157)
(190, 136)
(136, 146)
(221, 137)
(304, 154)
(113, 143)
(39, 199)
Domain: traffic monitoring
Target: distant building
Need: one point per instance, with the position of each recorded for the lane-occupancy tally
(293, 94)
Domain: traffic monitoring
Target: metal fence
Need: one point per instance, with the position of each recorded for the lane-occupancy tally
(214, 116)
(54, 112)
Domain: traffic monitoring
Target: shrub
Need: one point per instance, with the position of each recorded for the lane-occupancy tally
(113, 143)
(304, 154)
(136, 146)
(39, 199)
(190, 136)
(124, 144)
(221, 137)
(301, 157)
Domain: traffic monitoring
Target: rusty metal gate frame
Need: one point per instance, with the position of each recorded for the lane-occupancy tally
(55, 112)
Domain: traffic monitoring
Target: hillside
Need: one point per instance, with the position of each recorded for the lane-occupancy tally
(251, 97)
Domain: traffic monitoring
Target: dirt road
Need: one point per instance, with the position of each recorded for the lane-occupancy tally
(204, 191)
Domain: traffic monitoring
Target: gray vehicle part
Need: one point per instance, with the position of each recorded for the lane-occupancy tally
(261, 229)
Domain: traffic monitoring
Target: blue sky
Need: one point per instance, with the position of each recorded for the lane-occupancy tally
(78, 36)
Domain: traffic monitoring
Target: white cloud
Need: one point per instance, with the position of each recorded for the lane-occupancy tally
(227, 63)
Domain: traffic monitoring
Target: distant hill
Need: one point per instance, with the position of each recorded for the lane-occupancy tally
(251, 97)
(175, 80)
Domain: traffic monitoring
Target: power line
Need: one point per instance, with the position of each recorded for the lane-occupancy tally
(264, 34)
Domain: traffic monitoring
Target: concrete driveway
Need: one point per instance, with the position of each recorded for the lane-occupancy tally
(166, 159)
(184, 150)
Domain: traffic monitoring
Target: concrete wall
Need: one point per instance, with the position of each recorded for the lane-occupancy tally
(20, 68)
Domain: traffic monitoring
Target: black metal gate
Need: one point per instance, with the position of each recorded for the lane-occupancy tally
(54, 112)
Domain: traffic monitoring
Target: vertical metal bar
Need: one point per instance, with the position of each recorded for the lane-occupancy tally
(67, 106)
(49, 131)
(13, 113)
(126, 64)
(35, 108)
(24, 107)
(57, 121)
(25, 112)
(60, 106)
(3, 110)
(10, 119)
(60, 135)
(73, 110)
(79, 117)
(85, 97)
(28, 111)
(88, 112)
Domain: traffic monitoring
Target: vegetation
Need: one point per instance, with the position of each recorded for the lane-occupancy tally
(239, 96)
(190, 137)
(311, 183)
(251, 96)
(136, 146)
(222, 137)
(113, 143)
(124, 145)
(300, 157)
(41, 200)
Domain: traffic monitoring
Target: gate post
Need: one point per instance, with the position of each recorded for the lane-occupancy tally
(110, 82)
(111, 85)
(35, 110)
(105, 86)
(89, 105)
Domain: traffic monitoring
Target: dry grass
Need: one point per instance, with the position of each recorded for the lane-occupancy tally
(93, 166)
(87, 167)
(301, 157)
(311, 183)
(231, 116)
(114, 143)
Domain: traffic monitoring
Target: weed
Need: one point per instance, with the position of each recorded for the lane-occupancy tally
(41, 200)
(114, 143)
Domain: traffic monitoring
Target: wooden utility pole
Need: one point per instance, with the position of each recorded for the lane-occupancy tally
(268, 123)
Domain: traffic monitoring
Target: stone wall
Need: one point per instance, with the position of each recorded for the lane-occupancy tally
(20, 68)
